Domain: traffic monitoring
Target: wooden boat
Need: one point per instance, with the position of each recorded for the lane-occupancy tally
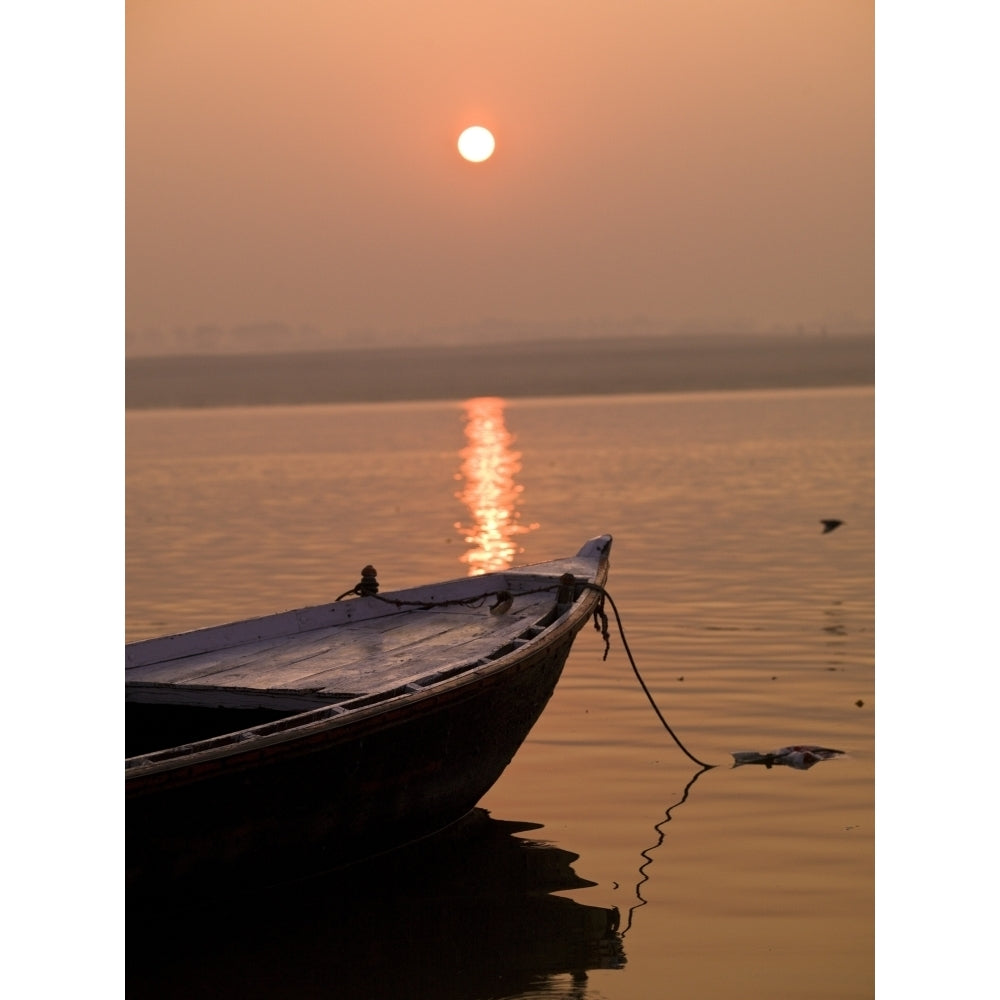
(310, 739)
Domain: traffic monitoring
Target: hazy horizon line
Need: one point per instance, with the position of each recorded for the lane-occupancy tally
(270, 337)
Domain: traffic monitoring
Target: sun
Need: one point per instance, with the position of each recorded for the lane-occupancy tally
(476, 144)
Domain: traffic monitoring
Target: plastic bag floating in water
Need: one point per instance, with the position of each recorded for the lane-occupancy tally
(799, 757)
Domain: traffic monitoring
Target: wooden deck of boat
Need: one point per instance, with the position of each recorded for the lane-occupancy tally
(343, 661)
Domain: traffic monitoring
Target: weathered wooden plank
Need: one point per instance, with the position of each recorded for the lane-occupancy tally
(362, 661)
(204, 665)
(467, 639)
(359, 657)
(333, 641)
(432, 654)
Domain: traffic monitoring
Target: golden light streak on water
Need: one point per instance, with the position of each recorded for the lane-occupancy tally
(491, 492)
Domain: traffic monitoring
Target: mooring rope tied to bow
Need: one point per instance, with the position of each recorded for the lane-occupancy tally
(368, 587)
(603, 628)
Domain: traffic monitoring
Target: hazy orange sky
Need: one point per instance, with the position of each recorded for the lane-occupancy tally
(685, 160)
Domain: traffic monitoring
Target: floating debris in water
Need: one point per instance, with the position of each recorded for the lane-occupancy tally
(799, 757)
(830, 524)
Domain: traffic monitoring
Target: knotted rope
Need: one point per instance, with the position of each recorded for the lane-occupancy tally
(367, 586)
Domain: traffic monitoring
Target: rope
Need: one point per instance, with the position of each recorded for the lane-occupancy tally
(368, 587)
(603, 628)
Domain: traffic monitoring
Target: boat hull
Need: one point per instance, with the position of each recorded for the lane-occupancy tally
(331, 790)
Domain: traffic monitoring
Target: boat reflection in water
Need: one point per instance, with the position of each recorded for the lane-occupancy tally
(468, 913)
(489, 465)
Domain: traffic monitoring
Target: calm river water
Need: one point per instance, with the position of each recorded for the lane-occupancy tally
(752, 629)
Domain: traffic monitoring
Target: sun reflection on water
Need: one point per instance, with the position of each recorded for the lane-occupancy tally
(489, 465)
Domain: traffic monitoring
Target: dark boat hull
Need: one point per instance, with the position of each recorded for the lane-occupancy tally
(339, 794)
(435, 703)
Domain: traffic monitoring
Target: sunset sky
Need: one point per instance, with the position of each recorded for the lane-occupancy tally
(706, 162)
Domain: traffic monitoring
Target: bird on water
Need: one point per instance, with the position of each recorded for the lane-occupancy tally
(829, 524)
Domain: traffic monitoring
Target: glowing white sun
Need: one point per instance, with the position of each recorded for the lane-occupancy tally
(476, 144)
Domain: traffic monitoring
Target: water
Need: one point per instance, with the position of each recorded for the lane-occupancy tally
(751, 628)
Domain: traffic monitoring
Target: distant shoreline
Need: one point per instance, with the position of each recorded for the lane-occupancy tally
(514, 369)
